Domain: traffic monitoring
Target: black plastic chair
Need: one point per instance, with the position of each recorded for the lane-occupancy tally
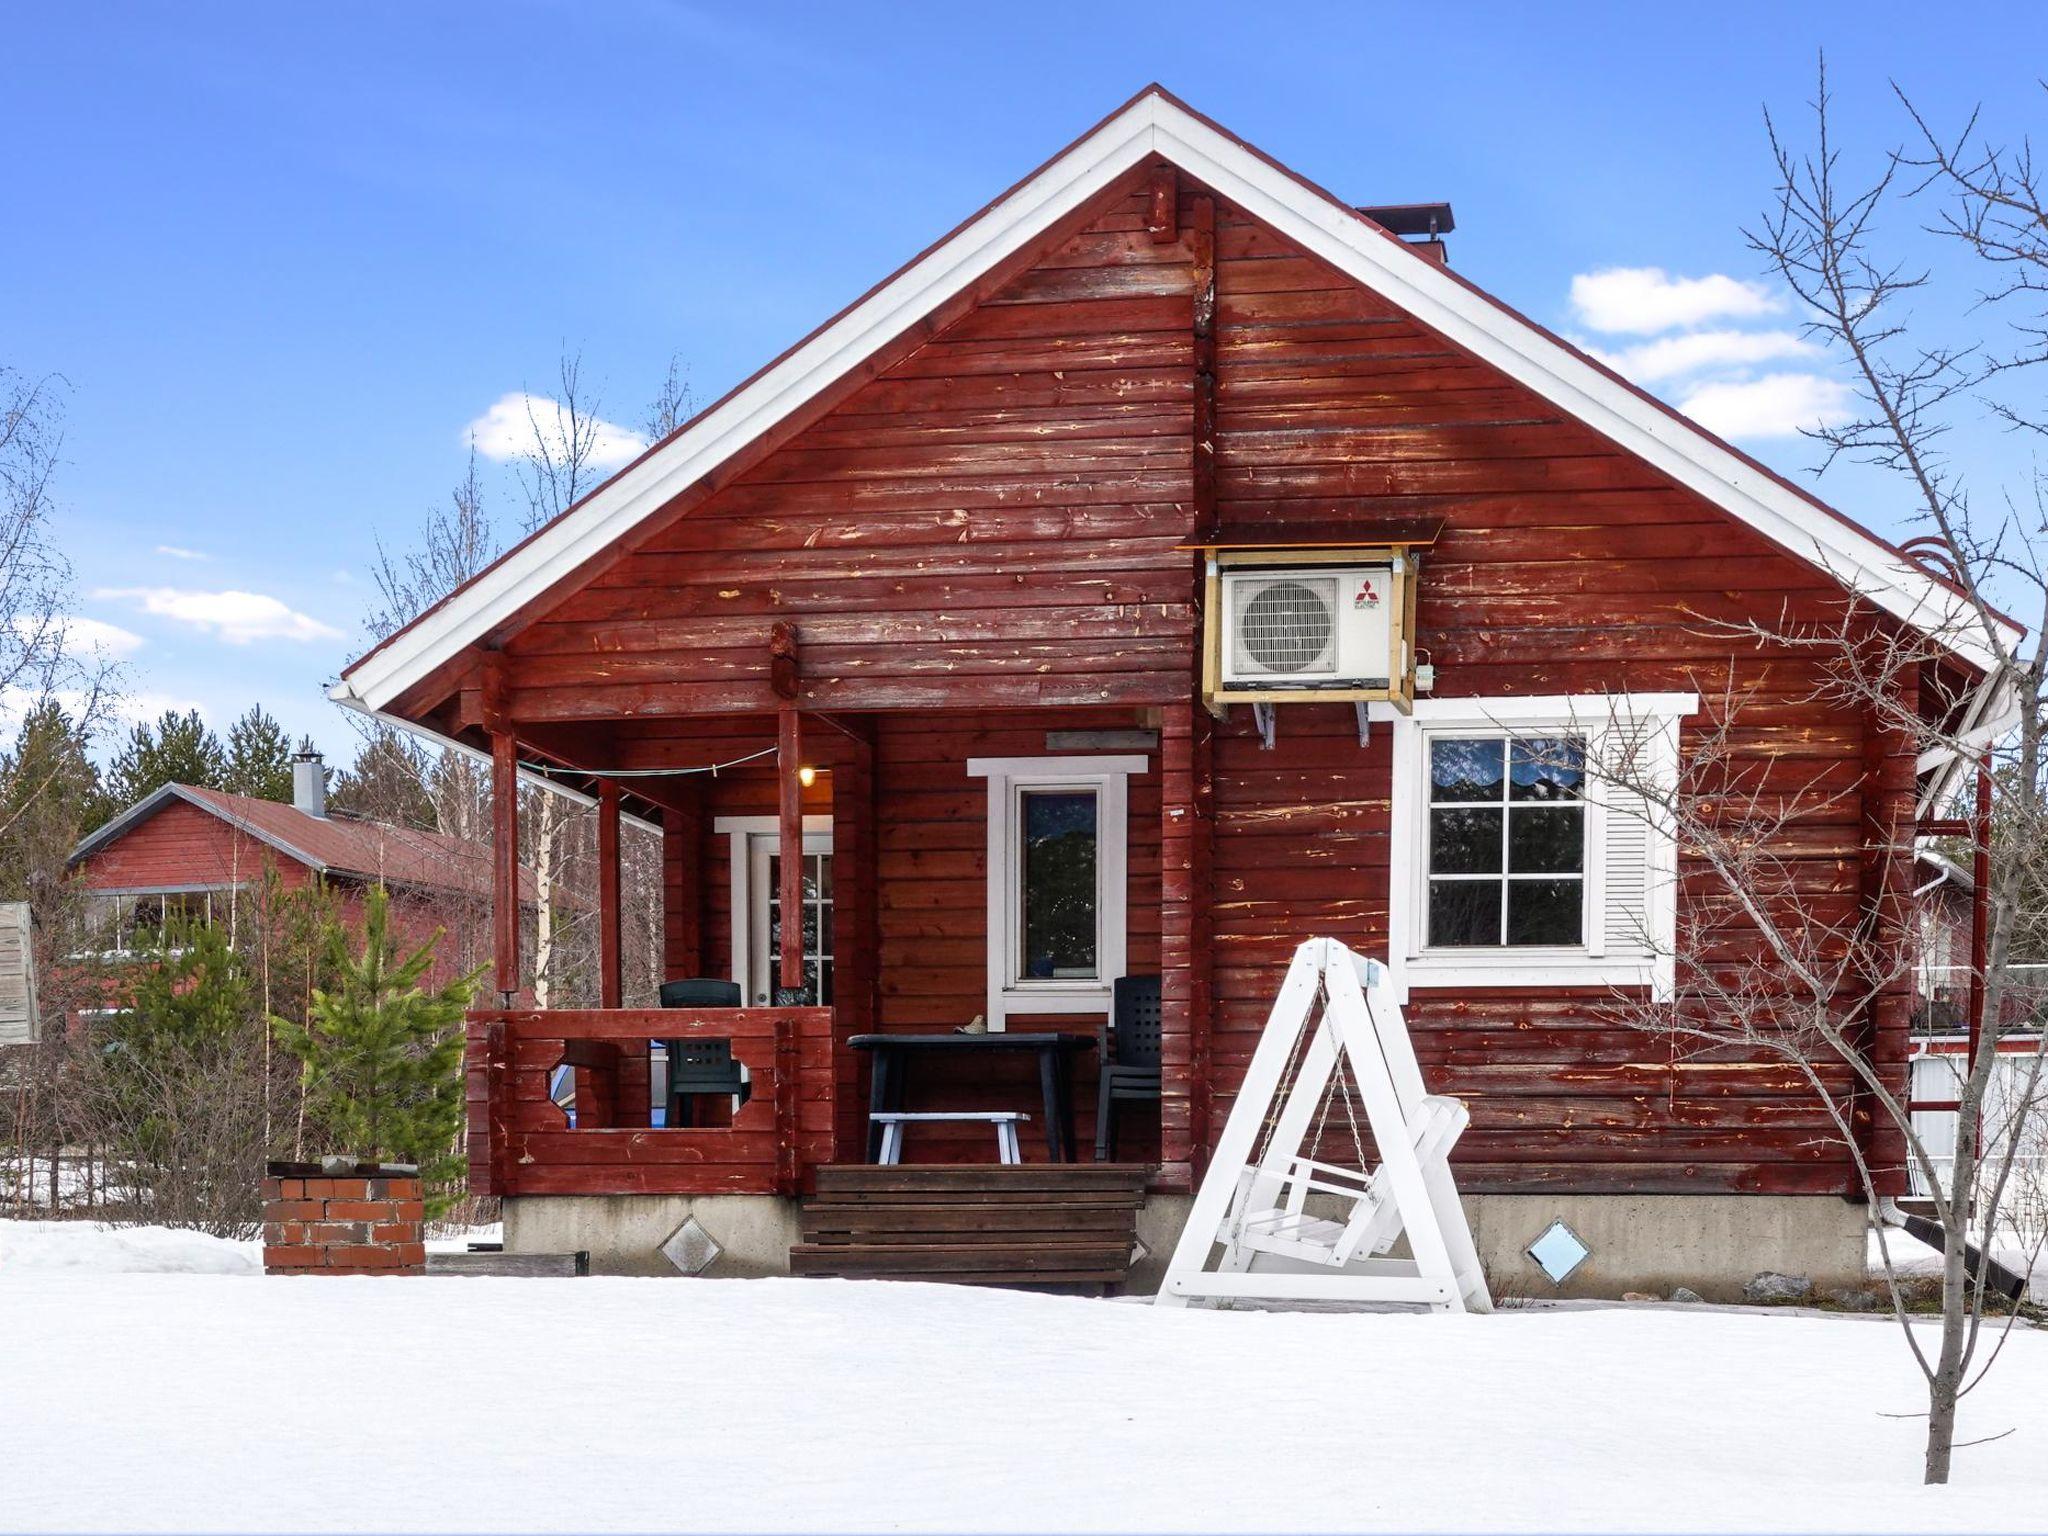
(1130, 1055)
(700, 1066)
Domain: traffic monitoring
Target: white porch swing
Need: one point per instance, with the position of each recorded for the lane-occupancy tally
(1335, 1038)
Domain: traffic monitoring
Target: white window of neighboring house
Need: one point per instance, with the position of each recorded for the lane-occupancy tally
(120, 923)
(1058, 836)
(1524, 852)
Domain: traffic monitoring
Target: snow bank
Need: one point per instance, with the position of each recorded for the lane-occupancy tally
(159, 1401)
(90, 1245)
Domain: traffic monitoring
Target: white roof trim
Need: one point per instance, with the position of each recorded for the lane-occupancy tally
(1155, 124)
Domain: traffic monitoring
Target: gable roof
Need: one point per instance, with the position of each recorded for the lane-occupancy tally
(340, 846)
(1156, 123)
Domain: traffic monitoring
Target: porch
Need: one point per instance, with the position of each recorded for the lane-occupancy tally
(911, 860)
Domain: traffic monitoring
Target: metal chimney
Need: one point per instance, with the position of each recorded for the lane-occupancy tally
(309, 783)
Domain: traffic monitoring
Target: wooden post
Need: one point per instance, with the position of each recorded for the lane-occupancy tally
(788, 1172)
(610, 977)
(1202, 243)
(1183, 943)
(505, 863)
(788, 759)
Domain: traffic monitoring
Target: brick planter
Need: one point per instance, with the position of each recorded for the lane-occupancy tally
(369, 1220)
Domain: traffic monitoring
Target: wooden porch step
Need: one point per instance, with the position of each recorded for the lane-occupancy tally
(1041, 1263)
(974, 1224)
(821, 1221)
(994, 1178)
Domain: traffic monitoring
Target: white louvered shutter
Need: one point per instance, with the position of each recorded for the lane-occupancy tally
(1635, 900)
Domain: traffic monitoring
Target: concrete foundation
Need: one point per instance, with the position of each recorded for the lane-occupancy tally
(624, 1234)
(1712, 1243)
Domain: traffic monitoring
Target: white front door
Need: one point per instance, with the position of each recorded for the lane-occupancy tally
(764, 916)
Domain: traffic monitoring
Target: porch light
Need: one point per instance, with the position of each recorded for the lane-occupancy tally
(807, 775)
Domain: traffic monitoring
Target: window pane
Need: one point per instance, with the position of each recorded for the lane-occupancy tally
(1465, 842)
(1547, 768)
(1059, 835)
(1464, 913)
(1546, 840)
(1462, 768)
(1545, 912)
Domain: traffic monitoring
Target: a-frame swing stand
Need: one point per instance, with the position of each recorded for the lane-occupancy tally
(1294, 1229)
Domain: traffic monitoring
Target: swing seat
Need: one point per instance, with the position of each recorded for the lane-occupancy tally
(1374, 1219)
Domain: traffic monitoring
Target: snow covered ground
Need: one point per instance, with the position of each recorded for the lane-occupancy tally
(210, 1401)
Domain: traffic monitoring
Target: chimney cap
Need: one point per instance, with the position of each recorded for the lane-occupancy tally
(1429, 220)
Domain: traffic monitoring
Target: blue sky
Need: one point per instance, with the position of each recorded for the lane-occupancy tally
(285, 257)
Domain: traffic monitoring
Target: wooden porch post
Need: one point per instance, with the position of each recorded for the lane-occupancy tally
(788, 759)
(610, 980)
(1183, 941)
(505, 912)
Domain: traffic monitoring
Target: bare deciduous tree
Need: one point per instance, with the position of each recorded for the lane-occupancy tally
(1761, 972)
(43, 654)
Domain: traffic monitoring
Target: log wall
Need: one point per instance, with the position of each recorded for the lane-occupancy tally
(987, 537)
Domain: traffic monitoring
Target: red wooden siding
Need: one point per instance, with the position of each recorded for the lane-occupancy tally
(986, 539)
(182, 847)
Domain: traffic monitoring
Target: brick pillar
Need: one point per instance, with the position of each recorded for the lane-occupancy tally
(336, 1219)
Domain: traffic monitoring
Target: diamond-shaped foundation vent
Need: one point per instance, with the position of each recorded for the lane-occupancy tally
(1558, 1251)
(690, 1248)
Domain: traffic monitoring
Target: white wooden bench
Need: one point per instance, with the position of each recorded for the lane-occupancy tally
(1005, 1121)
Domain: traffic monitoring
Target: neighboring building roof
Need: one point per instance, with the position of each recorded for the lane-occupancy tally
(340, 846)
(1154, 123)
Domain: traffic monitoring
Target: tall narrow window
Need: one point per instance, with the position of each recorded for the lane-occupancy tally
(1058, 844)
(1058, 902)
(1507, 842)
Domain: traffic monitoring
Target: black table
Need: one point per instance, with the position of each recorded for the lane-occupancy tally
(1055, 1052)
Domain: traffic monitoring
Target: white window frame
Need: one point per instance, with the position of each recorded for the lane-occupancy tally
(741, 832)
(1412, 963)
(1008, 779)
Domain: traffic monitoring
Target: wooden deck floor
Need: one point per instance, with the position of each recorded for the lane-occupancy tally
(973, 1224)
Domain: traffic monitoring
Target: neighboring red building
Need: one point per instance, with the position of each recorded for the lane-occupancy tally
(1171, 564)
(183, 853)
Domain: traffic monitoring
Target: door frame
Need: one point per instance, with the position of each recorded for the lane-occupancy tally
(749, 835)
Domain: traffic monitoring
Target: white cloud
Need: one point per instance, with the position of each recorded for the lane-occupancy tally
(179, 552)
(1671, 357)
(96, 635)
(506, 432)
(122, 710)
(1642, 301)
(1776, 405)
(83, 637)
(236, 617)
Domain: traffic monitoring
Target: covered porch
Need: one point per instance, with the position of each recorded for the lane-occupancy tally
(1001, 865)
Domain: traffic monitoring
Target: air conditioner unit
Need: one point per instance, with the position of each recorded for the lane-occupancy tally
(1323, 626)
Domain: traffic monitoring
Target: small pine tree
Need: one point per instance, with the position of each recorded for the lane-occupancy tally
(383, 1058)
(179, 749)
(175, 1087)
(258, 760)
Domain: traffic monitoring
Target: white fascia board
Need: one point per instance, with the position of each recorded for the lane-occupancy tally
(1336, 234)
(642, 489)
(1686, 453)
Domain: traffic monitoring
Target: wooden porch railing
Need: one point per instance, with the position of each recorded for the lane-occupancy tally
(521, 1143)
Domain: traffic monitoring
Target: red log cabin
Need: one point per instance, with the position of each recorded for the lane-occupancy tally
(185, 854)
(1113, 592)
